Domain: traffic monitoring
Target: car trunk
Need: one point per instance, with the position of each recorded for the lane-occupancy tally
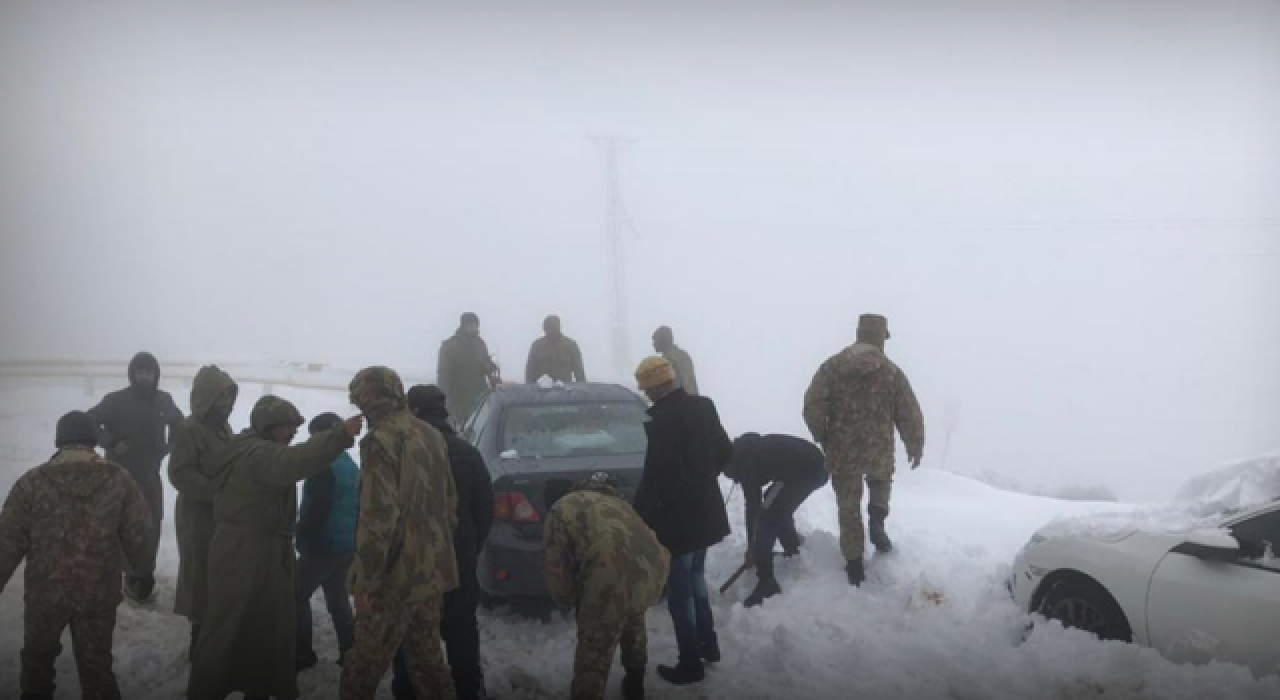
(529, 478)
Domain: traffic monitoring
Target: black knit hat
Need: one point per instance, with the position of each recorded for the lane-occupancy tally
(75, 428)
(323, 422)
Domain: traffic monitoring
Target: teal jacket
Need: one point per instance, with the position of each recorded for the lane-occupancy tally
(330, 508)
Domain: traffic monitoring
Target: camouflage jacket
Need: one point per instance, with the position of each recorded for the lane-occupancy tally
(72, 519)
(853, 404)
(600, 557)
(558, 358)
(408, 511)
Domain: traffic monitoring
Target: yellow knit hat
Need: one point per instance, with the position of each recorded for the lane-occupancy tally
(654, 372)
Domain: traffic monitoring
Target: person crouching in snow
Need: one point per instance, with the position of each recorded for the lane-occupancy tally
(73, 573)
(599, 557)
(326, 545)
(247, 639)
(792, 468)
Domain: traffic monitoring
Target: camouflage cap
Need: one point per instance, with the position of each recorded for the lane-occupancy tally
(373, 387)
(271, 411)
(873, 323)
(653, 372)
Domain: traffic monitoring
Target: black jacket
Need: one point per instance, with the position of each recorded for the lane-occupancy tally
(138, 417)
(679, 495)
(764, 459)
(475, 499)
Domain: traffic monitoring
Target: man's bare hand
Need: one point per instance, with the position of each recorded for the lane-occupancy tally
(915, 461)
(354, 425)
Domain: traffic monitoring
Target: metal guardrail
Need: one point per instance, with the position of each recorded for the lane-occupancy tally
(298, 375)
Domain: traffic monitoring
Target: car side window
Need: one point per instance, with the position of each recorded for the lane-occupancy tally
(475, 424)
(1259, 538)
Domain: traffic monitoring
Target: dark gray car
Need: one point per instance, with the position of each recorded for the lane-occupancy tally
(529, 435)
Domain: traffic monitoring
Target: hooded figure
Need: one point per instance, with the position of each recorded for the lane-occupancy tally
(852, 406)
(405, 561)
(73, 573)
(465, 370)
(247, 639)
(196, 444)
(135, 428)
(554, 355)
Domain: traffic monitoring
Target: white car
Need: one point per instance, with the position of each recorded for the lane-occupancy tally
(1199, 596)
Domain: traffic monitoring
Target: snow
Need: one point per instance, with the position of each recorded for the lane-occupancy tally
(1241, 485)
(933, 620)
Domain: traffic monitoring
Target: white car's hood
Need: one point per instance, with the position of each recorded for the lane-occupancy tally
(1164, 522)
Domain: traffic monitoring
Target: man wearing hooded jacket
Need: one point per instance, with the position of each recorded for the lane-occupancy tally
(197, 441)
(131, 424)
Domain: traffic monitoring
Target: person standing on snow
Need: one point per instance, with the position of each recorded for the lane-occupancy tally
(247, 640)
(851, 407)
(464, 369)
(131, 425)
(196, 443)
(792, 468)
(554, 355)
(73, 573)
(600, 558)
(474, 485)
(664, 342)
(326, 543)
(405, 561)
(679, 498)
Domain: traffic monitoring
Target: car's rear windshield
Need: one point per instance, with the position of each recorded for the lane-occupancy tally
(574, 430)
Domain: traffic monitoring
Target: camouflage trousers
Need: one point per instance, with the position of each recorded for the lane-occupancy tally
(91, 637)
(379, 632)
(594, 655)
(847, 484)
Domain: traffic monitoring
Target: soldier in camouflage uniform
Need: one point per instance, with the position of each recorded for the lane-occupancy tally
(72, 519)
(404, 543)
(554, 355)
(852, 406)
(601, 558)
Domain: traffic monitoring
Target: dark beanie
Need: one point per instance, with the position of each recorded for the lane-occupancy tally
(428, 401)
(323, 422)
(75, 428)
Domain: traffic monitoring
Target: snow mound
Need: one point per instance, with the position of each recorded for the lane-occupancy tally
(1240, 485)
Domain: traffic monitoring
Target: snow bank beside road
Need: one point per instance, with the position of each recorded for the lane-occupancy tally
(933, 621)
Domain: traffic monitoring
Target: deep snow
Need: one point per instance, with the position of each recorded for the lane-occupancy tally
(934, 620)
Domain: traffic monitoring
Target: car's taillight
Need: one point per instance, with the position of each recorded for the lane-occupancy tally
(513, 506)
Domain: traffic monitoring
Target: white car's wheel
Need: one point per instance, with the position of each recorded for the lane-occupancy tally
(1085, 605)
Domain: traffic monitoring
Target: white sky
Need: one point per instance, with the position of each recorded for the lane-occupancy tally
(1067, 210)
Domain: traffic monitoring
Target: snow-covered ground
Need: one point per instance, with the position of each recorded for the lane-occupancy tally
(933, 621)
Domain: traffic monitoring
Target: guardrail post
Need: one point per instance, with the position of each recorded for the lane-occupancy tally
(88, 385)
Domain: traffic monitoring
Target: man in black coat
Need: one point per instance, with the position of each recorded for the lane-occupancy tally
(679, 498)
(792, 468)
(474, 485)
(131, 425)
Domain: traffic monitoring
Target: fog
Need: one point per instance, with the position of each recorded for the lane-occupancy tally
(1067, 211)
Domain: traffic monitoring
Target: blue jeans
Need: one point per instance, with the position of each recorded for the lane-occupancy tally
(690, 607)
(776, 518)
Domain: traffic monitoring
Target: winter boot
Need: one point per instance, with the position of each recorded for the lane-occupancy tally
(633, 685)
(854, 569)
(710, 652)
(790, 541)
(766, 585)
(681, 674)
(878, 537)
